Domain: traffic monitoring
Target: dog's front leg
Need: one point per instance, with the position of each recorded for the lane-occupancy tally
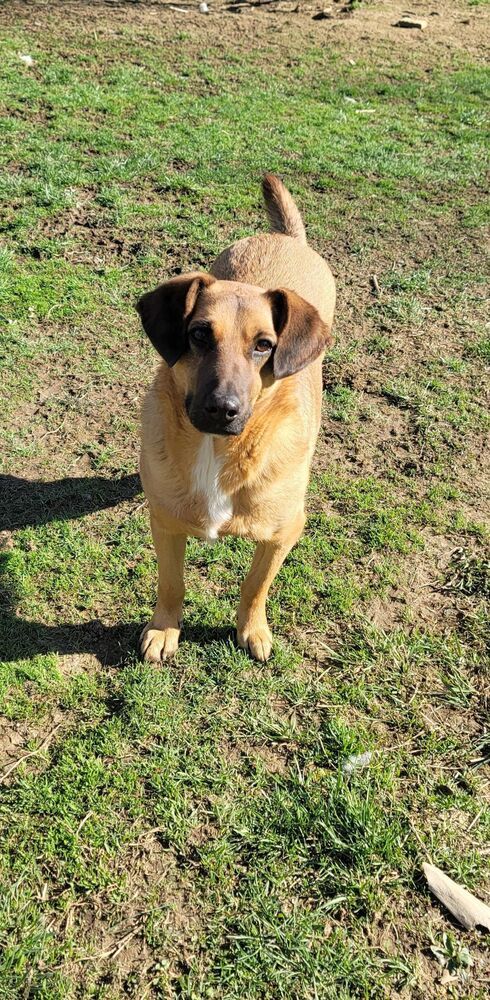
(160, 637)
(253, 632)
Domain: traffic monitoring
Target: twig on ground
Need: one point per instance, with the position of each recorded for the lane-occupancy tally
(84, 820)
(26, 756)
(116, 949)
(419, 840)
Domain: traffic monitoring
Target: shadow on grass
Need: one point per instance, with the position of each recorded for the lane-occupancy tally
(22, 640)
(112, 645)
(30, 503)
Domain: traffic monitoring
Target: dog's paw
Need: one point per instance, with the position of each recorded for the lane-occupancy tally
(156, 644)
(258, 641)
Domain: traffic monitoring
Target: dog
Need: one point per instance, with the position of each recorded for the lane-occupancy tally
(230, 423)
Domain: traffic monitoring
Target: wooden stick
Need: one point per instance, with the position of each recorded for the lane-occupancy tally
(466, 908)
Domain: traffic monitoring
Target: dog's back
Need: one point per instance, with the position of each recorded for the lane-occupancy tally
(280, 258)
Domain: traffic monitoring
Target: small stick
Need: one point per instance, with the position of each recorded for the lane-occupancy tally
(115, 950)
(398, 746)
(84, 820)
(26, 756)
(419, 839)
(474, 821)
(375, 285)
(139, 507)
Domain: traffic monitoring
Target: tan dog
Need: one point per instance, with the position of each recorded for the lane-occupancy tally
(231, 421)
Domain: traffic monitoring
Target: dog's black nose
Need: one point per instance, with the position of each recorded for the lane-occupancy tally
(222, 408)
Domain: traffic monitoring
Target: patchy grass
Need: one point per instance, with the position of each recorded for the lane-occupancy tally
(191, 831)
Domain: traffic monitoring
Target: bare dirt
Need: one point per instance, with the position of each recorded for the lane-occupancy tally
(452, 28)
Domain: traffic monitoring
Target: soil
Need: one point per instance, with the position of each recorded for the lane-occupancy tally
(452, 28)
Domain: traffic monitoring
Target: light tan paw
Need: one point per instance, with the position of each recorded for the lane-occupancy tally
(257, 640)
(156, 644)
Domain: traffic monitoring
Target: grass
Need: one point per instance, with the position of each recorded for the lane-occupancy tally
(192, 832)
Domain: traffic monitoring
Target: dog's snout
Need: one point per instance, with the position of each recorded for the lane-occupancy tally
(222, 407)
(219, 410)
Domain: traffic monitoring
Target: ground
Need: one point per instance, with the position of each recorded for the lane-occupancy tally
(192, 831)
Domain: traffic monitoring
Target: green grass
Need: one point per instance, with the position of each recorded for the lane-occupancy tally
(191, 831)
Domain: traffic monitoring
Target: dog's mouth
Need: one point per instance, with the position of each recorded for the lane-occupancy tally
(218, 427)
(219, 431)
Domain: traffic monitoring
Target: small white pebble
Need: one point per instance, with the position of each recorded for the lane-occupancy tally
(28, 60)
(203, 7)
(356, 762)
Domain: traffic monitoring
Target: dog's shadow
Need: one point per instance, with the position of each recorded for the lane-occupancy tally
(25, 503)
(32, 503)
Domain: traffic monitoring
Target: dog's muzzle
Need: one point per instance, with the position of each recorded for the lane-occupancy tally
(218, 413)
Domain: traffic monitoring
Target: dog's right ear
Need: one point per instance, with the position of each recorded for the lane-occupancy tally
(166, 311)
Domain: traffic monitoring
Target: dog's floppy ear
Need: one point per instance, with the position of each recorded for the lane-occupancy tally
(166, 311)
(301, 335)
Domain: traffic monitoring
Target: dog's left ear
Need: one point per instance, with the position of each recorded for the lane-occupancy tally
(166, 311)
(301, 334)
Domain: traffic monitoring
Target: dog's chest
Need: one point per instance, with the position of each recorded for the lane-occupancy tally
(205, 479)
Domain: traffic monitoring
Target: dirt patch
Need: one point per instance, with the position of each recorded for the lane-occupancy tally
(120, 939)
(392, 933)
(26, 741)
(452, 28)
(418, 597)
(97, 243)
(79, 419)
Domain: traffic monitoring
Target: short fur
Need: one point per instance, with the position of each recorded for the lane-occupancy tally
(247, 476)
(283, 214)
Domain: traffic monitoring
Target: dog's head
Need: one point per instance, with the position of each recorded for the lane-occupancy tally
(230, 340)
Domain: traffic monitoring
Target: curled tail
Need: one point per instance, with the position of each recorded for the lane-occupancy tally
(283, 214)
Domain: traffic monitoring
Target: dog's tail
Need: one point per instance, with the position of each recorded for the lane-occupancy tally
(283, 214)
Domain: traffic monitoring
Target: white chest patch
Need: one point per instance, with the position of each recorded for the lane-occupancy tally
(205, 479)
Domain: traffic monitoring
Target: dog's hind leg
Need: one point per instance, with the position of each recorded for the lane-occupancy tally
(253, 632)
(160, 638)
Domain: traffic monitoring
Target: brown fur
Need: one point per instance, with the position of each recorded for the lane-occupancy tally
(281, 209)
(271, 286)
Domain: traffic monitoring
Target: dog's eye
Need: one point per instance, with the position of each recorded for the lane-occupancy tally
(263, 347)
(199, 334)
